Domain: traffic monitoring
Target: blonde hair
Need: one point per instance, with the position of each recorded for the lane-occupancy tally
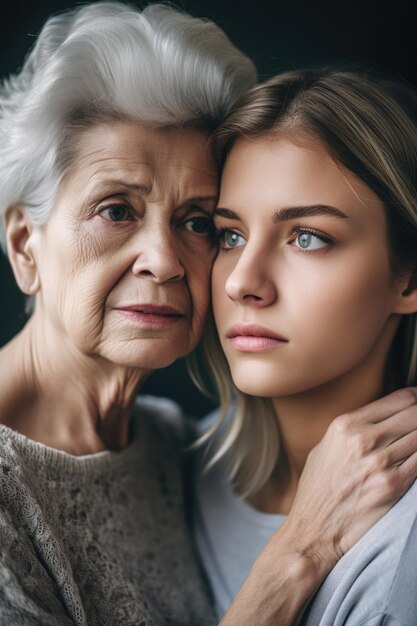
(368, 124)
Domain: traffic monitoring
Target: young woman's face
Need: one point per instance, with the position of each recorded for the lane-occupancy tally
(303, 292)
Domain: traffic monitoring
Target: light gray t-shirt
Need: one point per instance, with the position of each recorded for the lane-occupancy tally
(229, 535)
(375, 583)
(99, 539)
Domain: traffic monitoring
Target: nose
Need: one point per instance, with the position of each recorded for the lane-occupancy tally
(158, 260)
(249, 282)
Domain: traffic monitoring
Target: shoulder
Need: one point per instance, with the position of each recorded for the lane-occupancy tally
(169, 419)
(163, 410)
(383, 619)
(163, 419)
(378, 576)
(219, 418)
(201, 426)
(15, 465)
(9, 447)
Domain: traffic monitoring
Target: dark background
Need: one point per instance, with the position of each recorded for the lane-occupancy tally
(278, 36)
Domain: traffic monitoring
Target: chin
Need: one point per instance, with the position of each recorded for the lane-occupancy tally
(265, 380)
(144, 362)
(252, 387)
(148, 354)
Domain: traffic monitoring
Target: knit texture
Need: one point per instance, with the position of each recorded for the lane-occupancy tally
(99, 539)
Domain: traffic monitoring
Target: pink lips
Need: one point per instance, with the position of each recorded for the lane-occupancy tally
(152, 314)
(254, 338)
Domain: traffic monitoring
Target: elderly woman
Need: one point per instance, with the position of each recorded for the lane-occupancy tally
(108, 183)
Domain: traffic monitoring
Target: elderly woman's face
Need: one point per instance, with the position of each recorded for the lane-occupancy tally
(125, 257)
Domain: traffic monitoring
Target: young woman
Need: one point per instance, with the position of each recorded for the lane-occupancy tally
(315, 300)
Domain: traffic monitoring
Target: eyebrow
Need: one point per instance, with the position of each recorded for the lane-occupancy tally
(109, 182)
(231, 215)
(203, 198)
(290, 213)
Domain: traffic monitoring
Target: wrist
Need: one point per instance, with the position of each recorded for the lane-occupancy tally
(311, 552)
(277, 590)
(299, 572)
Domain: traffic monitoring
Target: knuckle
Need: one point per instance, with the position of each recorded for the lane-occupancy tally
(341, 425)
(394, 482)
(378, 462)
(361, 442)
(391, 483)
(407, 395)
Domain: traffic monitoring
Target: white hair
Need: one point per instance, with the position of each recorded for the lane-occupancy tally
(158, 67)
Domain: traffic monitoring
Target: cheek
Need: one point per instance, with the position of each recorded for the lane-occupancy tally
(347, 296)
(337, 318)
(76, 280)
(199, 286)
(333, 317)
(222, 269)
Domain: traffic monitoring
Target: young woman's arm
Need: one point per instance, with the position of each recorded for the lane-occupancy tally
(363, 465)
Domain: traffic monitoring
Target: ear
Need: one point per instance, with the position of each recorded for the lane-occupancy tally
(19, 229)
(407, 298)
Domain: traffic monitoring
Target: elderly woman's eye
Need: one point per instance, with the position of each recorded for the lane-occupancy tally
(115, 213)
(199, 225)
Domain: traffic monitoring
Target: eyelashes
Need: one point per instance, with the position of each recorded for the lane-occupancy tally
(225, 237)
(196, 223)
(116, 213)
(230, 239)
(312, 231)
(304, 236)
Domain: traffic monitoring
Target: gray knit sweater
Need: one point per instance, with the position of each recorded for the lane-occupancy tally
(99, 539)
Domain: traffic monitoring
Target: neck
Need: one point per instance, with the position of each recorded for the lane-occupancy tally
(303, 419)
(54, 394)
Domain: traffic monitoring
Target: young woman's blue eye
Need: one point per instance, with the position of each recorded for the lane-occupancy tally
(199, 225)
(230, 239)
(115, 213)
(309, 241)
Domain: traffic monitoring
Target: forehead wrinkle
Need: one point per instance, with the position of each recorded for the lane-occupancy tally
(91, 181)
(199, 187)
(183, 173)
(183, 182)
(161, 171)
(96, 164)
(119, 166)
(136, 181)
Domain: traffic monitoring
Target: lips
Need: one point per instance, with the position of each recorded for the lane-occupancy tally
(254, 338)
(151, 315)
(152, 309)
(253, 330)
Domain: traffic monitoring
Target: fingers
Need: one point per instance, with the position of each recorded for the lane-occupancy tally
(386, 485)
(407, 472)
(395, 427)
(386, 407)
(402, 449)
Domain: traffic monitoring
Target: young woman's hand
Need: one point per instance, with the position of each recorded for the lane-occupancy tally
(363, 465)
